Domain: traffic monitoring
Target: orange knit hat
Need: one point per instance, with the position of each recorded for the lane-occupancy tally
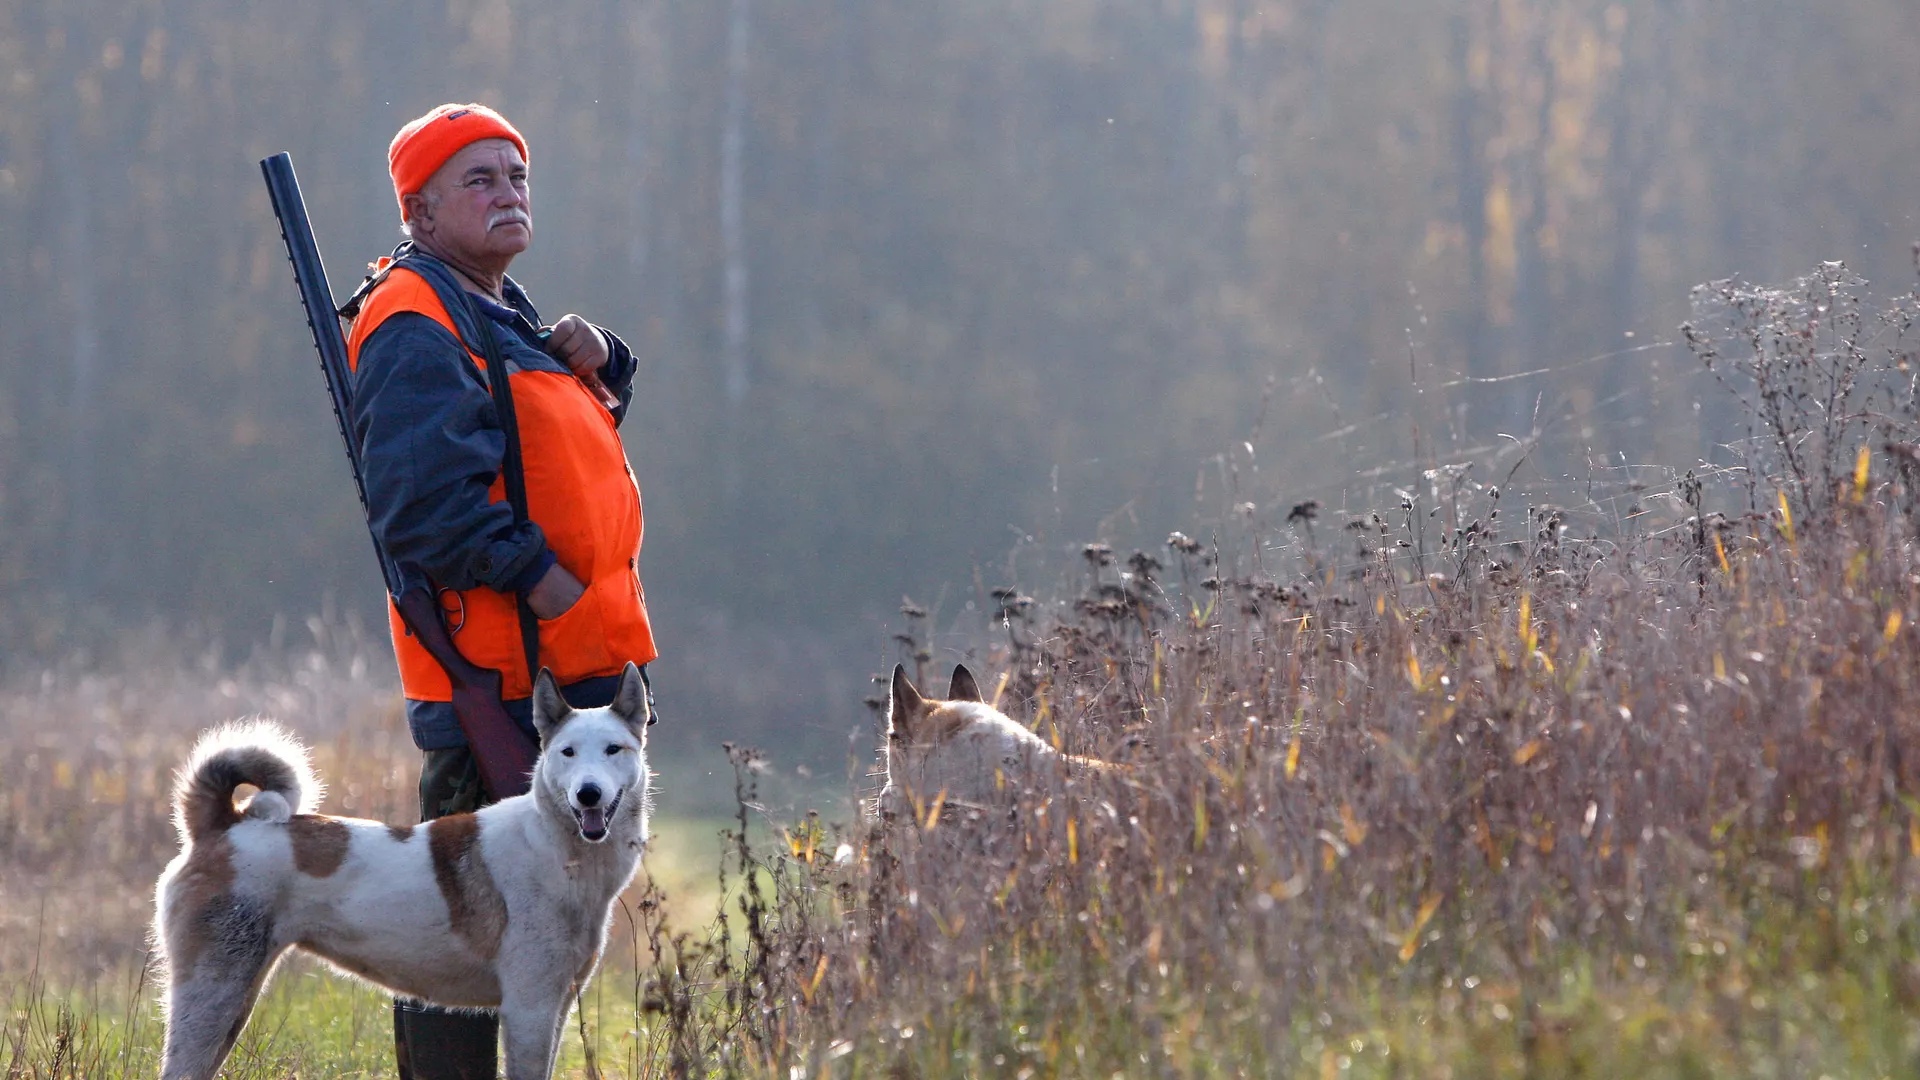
(426, 143)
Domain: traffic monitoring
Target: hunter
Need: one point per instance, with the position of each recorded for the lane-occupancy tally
(434, 450)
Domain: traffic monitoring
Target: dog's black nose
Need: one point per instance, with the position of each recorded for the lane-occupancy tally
(589, 795)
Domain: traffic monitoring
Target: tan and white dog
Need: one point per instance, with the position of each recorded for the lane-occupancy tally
(963, 751)
(504, 909)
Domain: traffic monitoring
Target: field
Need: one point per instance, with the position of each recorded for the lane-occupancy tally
(1467, 784)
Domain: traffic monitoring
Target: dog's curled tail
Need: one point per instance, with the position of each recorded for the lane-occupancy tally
(256, 752)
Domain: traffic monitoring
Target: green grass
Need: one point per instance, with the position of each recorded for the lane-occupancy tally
(1840, 1022)
(1845, 1019)
(309, 1022)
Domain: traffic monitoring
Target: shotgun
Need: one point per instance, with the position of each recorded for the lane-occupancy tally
(502, 750)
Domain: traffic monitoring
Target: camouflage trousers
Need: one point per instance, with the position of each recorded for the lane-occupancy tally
(450, 783)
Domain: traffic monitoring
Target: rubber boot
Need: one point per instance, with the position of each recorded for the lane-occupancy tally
(431, 1043)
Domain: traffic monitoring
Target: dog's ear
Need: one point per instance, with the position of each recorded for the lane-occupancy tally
(630, 702)
(962, 687)
(904, 705)
(550, 710)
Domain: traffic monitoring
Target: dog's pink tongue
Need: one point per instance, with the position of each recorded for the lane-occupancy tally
(593, 820)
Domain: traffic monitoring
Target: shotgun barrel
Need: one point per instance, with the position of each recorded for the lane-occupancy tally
(502, 750)
(316, 296)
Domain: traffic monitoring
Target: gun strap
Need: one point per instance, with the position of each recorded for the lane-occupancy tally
(516, 477)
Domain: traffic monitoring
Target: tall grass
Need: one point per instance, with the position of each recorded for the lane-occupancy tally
(1471, 784)
(1626, 786)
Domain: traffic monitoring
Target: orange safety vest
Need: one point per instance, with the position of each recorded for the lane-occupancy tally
(580, 491)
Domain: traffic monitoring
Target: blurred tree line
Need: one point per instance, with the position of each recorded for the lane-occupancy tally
(916, 286)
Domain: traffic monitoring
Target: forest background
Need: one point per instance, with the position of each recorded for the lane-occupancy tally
(926, 295)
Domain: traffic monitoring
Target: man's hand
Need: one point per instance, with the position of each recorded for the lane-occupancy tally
(555, 593)
(574, 342)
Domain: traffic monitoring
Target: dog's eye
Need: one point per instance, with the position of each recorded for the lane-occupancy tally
(614, 748)
(566, 751)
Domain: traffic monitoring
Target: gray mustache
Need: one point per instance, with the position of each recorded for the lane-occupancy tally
(509, 217)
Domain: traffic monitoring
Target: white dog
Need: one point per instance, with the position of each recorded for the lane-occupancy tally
(504, 909)
(963, 751)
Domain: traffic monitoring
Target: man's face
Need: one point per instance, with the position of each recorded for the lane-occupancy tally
(477, 207)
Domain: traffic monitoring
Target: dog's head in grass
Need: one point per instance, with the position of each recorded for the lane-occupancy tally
(959, 749)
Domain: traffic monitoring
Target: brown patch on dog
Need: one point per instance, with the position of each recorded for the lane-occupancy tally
(194, 895)
(474, 904)
(941, 721)
(319, 843)
(400, 833)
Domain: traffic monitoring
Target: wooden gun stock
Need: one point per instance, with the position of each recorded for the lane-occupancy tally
(500, 746)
